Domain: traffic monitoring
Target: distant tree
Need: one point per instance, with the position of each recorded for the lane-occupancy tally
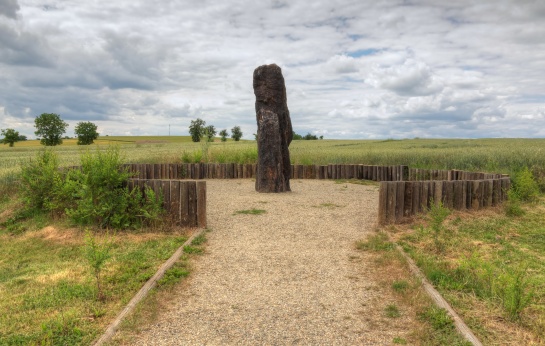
(22, 138)
(86, 132)
(224, 134)
(297, 136)
(310, 136)
(50, 128)
(210, 132)
(236, 133)
(255, 136)
(10, 136)
(196, 129)
(322, 137)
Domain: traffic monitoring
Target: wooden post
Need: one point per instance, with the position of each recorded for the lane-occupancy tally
(438, 193)
(459, 195)
(424, 195)
(400, 200)
(175, 199)
(184, 203)
(496, 192)
(201, 204)
(487, 192)
(408, 199)
(392, 199)
(156, 171)
(382, 203)
(448, 193)
(192, 202)
(476, 198)
(405, 173)
(417, 207)
(165, 190)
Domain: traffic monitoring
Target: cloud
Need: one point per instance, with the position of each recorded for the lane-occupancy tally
(352, 69)
(9, 8)
(410, 78)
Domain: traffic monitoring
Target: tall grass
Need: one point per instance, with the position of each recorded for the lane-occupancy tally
(492, 155)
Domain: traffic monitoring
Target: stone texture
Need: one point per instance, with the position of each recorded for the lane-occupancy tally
(274, 131)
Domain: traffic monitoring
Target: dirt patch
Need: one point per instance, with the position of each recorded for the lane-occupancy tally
(57, 235)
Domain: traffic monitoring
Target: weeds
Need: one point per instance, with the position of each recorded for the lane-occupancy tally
(392, 311)
(97, 255)
(250, 212)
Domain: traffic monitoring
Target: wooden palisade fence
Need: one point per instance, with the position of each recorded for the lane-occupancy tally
(401, 199)
(247, 171)
(184, 200)
(403, 192)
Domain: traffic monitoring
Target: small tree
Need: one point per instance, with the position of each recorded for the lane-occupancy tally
(10, 136)
(86, 132)
(210, 132)
(296, 136)
(50, 128)
(236, 133)
(310, 136)
(196, 129)
(224, 134)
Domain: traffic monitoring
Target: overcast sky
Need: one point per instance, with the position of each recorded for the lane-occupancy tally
(353, 69)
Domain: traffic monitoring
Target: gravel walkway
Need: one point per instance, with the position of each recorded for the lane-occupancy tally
(290, 276)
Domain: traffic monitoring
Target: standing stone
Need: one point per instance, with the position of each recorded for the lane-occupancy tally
(274, 131)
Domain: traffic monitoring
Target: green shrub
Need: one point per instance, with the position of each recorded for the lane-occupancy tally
(96, 194)
(525, 185)
(513, 206)
(39, 179)
(104, 199)
(437, 214)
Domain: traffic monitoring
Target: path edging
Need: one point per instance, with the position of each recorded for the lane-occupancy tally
(143, 292)
(460, 325)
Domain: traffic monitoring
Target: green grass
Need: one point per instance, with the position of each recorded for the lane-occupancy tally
(429, 325)
(48, 291)
(491, 261)
(250, 212)
(392, 311)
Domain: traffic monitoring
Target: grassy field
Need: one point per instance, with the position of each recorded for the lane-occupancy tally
(489, 265)
(491, 155)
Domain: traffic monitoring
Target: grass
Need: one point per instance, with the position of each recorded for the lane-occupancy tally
(250, 212)
(488, 264)
(432, 326)
(489, 267)
(49, 292)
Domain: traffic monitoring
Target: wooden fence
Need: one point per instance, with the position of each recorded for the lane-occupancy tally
(185, 200)
(401, 199)
(404, 191)
(248, 171)
(451, 174)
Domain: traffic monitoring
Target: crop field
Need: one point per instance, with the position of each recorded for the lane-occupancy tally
(488, 264)
(490, 155)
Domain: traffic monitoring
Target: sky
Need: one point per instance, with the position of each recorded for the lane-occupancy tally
(353, 69)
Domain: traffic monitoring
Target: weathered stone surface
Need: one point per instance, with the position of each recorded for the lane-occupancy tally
(274, 131)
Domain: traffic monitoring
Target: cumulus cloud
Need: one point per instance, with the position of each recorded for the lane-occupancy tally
(9, 8)
(408, 79)
(352, 69)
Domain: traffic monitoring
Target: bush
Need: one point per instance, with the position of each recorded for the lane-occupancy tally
(105, 200)
(39, 179)
(96, 194)
(525, 186)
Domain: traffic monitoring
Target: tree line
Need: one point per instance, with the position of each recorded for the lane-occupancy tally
(50, 128)
(198, 130)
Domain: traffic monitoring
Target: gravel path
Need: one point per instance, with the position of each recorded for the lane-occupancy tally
(290, 276)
